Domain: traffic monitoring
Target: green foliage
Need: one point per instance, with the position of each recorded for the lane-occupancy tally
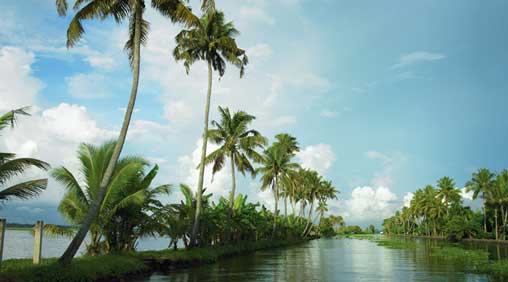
(439, 212)
(11, 167)
(352, 229)
(108, 267)
(124, 213)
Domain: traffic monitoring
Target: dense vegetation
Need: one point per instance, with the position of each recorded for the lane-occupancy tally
(440, 211)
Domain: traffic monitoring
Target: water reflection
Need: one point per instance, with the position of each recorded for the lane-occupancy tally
(325, 260)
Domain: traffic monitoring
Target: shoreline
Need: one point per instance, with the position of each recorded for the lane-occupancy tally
(128, 266)
(473, 240)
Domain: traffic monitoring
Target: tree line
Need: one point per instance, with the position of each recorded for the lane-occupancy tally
(439, 211)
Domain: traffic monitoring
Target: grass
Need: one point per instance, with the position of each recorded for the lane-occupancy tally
(117, 267)
(105, 268)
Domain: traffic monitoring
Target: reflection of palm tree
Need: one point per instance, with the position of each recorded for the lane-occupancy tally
(11, 166)
(238, 143)
(212, 40)
(481, 185)
(138, 32)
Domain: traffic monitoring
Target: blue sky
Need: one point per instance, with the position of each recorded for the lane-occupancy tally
(384, 96)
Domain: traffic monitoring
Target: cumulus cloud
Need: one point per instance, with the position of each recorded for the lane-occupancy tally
(417, 57)
(407, 199)
(18, 86)
(53, 135)
(317, 157)
(369, 205)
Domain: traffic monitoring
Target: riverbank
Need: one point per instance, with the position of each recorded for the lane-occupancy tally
(125, 266)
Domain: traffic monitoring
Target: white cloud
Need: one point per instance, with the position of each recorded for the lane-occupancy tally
(29, 209)
(328, 113)
(88, 85)
(219, 184)
(283, 120)
(101, 61)
(369, 205)
(53, 135)
(417, 57)
(466, 195)
(256, 14)
(18, 88)
(317, 157)
(407, 199)
(259, 51)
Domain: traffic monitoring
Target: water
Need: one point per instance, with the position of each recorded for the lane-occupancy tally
(20, 244)
(325, 260)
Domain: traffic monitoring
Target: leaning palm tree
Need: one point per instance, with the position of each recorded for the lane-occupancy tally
(10, 166)
(211, 41)
(238, 143)
(481, 184)
(275, 166)
(120, 10)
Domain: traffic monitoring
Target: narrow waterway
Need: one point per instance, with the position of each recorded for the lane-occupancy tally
(325, 260)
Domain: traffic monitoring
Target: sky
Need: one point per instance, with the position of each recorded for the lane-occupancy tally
(384, 97)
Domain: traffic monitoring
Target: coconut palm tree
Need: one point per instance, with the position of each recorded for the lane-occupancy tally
(128, 189)
(287, 141)
(212, 41)
(481, 184)
(275, 166)
(238, 143)
(10, 166)
(447, 192)
(120, 10)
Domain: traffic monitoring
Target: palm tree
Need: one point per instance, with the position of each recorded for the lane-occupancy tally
(212, 41)
(120, 10)
(287, 141)
(238, 143)
(10, 166)
(481, 184)
(275, 166)
(127, 190)
(447, 192)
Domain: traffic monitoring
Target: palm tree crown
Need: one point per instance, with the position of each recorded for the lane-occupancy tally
(211, 41)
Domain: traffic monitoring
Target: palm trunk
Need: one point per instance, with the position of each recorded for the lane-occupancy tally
(308, 225)
(503, 220)
(275, 189)
(485, 217)
(199, 199)
(93, 211)
(286, 207)
(233, 187)
(497, 229)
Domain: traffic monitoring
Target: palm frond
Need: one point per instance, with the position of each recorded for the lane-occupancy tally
(24, 190)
